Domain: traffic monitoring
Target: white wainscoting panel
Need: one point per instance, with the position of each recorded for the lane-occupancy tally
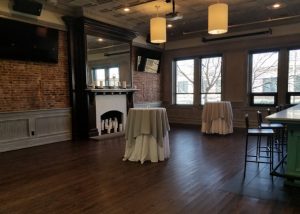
(31, 128)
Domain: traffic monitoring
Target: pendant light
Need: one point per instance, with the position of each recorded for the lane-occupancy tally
(218, 18)
(158, 29)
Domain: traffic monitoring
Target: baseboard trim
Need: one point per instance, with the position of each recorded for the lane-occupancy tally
(30, 142)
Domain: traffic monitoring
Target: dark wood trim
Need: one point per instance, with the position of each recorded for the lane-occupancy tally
(83, 125)
(94, 27)
(70, 24)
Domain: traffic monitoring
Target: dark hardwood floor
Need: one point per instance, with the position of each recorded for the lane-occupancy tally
(203, 175)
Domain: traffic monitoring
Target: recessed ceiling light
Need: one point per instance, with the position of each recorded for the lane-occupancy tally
(100, 39)
(126, 9)
(169, 25)
(276, 6)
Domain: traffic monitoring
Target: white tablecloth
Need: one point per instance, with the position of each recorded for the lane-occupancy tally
(146, 135)
(217, 118)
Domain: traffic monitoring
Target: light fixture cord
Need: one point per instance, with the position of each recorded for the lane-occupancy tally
(157, 7)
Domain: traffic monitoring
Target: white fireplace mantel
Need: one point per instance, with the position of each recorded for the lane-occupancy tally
(105, 100)
(113, 90)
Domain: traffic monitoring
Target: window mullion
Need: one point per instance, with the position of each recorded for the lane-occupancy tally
(282, 84)
(197, 84)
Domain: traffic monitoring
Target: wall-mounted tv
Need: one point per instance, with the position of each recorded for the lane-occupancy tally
(147, 60)
(23, 41)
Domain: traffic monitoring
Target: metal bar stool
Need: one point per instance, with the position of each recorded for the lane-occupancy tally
(279, 130)
(259, 134)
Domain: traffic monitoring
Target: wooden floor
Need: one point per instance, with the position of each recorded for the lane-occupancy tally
(90, 177)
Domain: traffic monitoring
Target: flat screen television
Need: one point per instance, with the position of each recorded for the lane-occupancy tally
(147, 60)
(23, 41)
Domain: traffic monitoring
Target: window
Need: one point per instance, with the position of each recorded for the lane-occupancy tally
(269, 84)
(114, 76)
(109, 75)
(184, 72)
(211, 79)
(293, 96)
(264, 74)
(100, 74)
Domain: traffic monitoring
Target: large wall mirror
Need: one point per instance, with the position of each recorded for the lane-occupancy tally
(92, 61)
(108, 62)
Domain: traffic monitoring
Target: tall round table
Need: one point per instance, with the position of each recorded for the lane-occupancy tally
(146, 135)
(217, 118)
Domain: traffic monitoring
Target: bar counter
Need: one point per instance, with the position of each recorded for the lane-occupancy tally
(291, 118)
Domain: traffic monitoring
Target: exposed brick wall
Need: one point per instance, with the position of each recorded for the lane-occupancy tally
(34, 85)
(149, 85)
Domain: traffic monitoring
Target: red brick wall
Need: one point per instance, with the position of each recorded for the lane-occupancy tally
(34, 85)
(149, 85)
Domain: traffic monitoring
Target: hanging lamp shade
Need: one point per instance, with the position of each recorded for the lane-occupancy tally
(158, 30)
(218, 18)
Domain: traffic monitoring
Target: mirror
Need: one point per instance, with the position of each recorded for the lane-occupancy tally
(108, 63)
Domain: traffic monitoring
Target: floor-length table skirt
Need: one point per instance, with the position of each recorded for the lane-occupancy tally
(217, 118)
(146, 148)
(147, 135)
(217, 126)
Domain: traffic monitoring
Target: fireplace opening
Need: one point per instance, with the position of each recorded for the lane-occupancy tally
(111, 122)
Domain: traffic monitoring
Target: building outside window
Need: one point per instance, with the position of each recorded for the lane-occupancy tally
(293, 96)
(264, 75)
(269, 84)
(184, 74)
(211, 79)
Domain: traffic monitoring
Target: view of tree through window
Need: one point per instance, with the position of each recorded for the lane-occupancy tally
(294, 75)
(211, 79)
(185, 81)
(264, 73)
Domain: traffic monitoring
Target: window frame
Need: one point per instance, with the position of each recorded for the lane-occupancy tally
(290, 94)
(255, 94)
(175, 81)
(200, 73)
(106, 71)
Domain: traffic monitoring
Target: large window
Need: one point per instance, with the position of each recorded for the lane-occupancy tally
(211, 79)
(109, 75)
(293, 96)
(264, 74)
(184, 82)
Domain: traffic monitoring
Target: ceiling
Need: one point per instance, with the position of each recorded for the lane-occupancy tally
(243, 14)
(104, 45)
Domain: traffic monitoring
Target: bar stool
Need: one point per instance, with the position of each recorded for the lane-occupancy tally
(259, 134)
(278, 129)
(278, 108)
(269, 111)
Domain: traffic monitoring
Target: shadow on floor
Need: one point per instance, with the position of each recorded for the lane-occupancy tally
(258, 183)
